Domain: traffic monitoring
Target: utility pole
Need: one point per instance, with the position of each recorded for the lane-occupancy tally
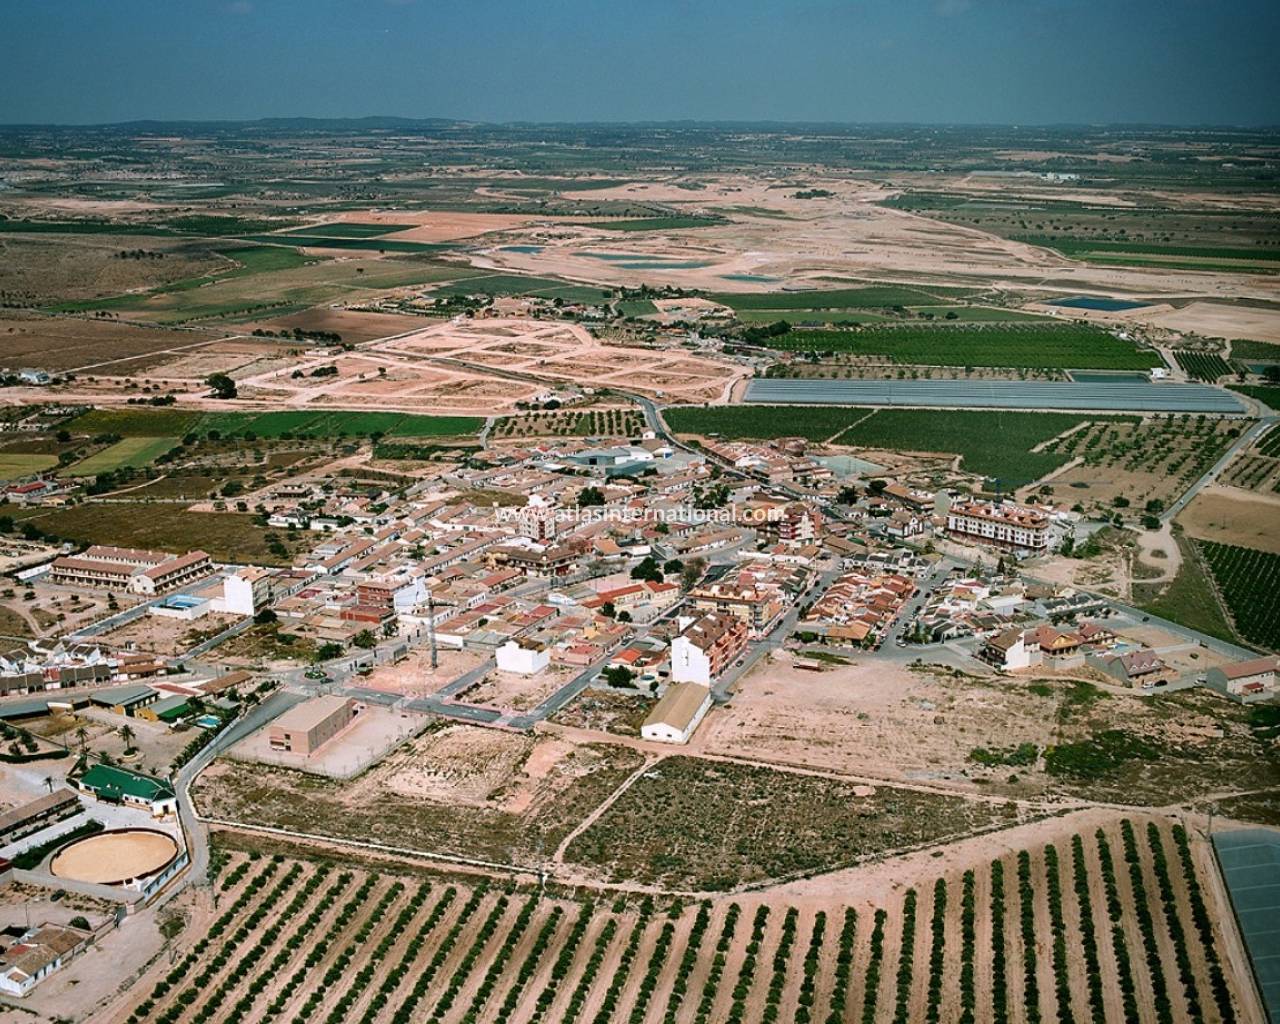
(431, 630)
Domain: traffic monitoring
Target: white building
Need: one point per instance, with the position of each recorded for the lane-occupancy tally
(675, 717)
(246, 592)
(513, 656)
(1000, 524)
(538, 519)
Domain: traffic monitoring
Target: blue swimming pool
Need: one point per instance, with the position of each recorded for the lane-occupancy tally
(183, 601)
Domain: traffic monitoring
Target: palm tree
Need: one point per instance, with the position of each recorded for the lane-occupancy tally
(82, 734)
(126, 734)
(48, 783)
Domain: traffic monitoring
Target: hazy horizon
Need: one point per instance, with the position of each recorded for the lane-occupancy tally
(1041, 63)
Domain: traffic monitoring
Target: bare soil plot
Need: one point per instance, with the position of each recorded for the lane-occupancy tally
(159, 634)
(1230, 516)
(872, 722)
(43, 269)
(414, 676)
(1218, 320)
(565, 351)
(457, 793)
(59, 343)
(352, 325)
(514, 692)
(437, 225)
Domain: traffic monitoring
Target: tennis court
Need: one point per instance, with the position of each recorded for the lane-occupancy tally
(1250, 860)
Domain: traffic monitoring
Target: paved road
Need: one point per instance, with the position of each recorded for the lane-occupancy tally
(1242, 442)
(197, 836)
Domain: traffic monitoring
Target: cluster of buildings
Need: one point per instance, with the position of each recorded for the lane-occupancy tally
(133, 570)
(859, 608)
(27, 959)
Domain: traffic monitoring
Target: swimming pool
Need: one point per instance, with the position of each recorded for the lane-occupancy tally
(182, 601)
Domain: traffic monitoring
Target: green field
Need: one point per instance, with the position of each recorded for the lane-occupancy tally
(1086, 248)
(514, 284)
(1249, 581)
(347, 229)
(1051, 346)
(992, 444)
(1206, 366)
(979, 314)
(15, 465)
(132, 452)
(1255, 351)
(76, 227)
(226, 536)
(1268, 396)
(839, 298)
(169, 423)
(636, 307)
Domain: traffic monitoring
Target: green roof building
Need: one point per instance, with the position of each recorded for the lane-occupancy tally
(120, 786)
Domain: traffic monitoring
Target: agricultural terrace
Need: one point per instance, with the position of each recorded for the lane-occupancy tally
(1069, 346)
(1117, 922)
(1249, 582)
(131, 452)
(179, 423)
(593, 423)
(1003, 445)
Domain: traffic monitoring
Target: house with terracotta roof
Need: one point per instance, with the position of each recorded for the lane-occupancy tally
(1143, 669)
(1246, 681)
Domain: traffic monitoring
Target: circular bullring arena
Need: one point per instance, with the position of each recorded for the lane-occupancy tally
(119, 857)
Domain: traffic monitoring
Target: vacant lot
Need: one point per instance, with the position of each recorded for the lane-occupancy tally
(1227, 516)
(455, 793)
(58, 343)
(694, 824)
(50, 268)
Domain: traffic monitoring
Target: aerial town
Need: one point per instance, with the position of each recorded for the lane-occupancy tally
(576, 573)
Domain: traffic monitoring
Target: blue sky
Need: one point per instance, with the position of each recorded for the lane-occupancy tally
(935, 61)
